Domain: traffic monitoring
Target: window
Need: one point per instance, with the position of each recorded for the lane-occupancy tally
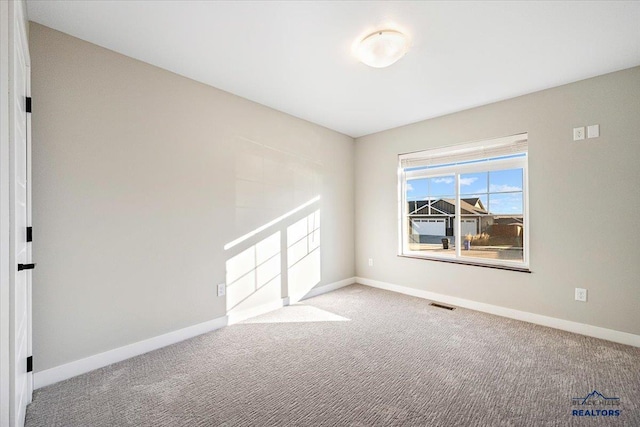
(466, 203)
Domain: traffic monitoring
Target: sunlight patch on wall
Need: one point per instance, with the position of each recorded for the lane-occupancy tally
(286, 264)
(268, 182)
(254, 274)
(269, 224)
(303, 255)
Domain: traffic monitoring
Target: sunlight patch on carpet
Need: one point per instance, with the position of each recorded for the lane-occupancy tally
(297, 313)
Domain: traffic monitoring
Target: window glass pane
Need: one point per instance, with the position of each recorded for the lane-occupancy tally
(505, 203)
(505, 180)
(472, 183)
(431, 188)
(442, 186)
(429, 214)
(416, 189)
(499, 239)
(498, 232)
(432, 233)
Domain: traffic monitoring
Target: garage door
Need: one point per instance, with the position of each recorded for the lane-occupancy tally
(429, 227)
(469, 227)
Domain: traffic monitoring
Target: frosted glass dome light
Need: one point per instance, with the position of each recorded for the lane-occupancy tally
(382, 48)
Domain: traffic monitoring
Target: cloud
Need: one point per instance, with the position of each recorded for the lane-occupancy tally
(468, 181)
(409, 187)
(504, 205)
(443, 180)
(495, 188)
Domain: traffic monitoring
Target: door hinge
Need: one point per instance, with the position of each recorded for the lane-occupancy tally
(26, 267)
(28, 104)
(29, 234)
(29, 363)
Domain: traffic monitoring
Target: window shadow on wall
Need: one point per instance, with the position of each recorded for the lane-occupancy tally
(275, 264)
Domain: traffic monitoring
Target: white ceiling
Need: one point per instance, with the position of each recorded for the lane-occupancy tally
(296, 56)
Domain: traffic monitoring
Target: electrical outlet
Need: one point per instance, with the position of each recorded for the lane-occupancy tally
(222, 289)
(578, 133)
(370, 262)
(581, 294)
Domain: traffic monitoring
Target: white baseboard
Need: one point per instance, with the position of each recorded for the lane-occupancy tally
(319, 290)
(552, 322)
(77, 367)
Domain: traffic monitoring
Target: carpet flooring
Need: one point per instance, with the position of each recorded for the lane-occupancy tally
(359, 356)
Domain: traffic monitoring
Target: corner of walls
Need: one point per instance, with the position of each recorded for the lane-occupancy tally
(551, 322)
(576, 239)
(135, 206)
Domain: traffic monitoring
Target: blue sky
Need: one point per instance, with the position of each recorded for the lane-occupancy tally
(500, 191)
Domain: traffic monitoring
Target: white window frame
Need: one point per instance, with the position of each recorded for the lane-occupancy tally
(465, 152)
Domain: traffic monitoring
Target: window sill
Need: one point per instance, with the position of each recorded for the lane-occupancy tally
(470, 263)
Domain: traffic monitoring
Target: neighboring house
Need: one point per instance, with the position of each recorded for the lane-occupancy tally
(437, 218)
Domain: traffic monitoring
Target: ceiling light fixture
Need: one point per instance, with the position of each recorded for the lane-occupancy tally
(382, 48)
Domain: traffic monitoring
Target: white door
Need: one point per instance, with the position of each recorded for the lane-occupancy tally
(469, 226)
(19, 196)
(429, 227)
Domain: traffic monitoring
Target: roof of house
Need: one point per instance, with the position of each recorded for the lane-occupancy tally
(471, 206)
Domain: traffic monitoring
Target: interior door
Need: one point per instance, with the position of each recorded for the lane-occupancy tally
(20, 277)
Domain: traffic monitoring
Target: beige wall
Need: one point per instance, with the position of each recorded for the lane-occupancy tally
(584, 203)
(140, 177)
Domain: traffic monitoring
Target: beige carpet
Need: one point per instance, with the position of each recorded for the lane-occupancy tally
(359, 357)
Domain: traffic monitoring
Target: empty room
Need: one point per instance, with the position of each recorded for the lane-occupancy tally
(319, 213)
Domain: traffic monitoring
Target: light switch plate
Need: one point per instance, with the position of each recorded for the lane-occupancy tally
(578, 133)
(593, 131)
(222, 289)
